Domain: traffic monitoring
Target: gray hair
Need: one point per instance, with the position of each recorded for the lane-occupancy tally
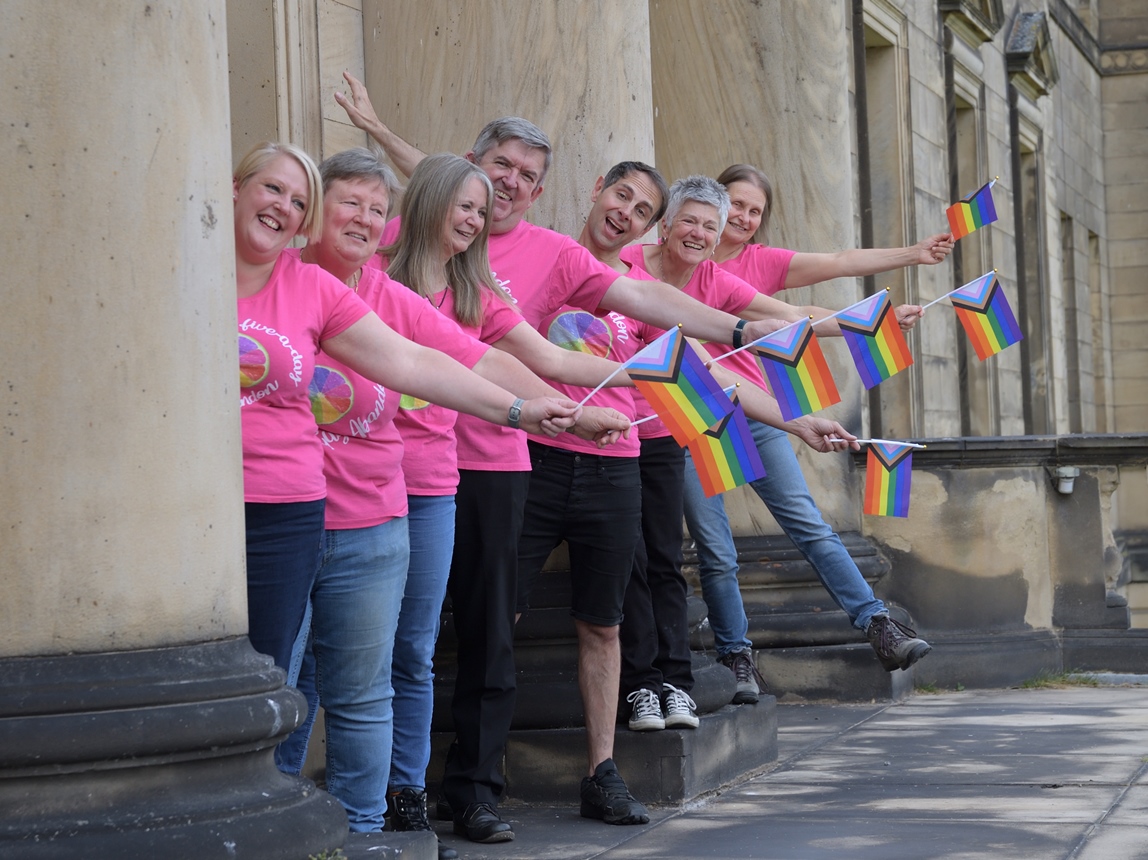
(360, 163)
(700, 189)
(513, 128)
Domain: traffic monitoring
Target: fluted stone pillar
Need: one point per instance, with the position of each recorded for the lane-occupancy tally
(135, 719)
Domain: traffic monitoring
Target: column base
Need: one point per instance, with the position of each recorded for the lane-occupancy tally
(166, 752)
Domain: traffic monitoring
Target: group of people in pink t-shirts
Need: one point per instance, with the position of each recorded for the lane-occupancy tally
(410, 399)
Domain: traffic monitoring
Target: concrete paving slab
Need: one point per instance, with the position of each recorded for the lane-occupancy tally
(922, 803)
(852, 838)
(552, 833)
(1046, 774)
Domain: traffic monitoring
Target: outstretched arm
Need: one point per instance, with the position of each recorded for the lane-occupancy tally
(362, 114)
(761, 406)
(806, 269)
(553, 362)
(603, 426)
(663, 306)
(379, 353)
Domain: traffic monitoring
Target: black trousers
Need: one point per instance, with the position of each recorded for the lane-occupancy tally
(655, 630)
(483, 587)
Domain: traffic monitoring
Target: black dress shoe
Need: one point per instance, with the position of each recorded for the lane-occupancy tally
(480, 823)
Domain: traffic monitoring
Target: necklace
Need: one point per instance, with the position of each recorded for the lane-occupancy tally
(353, 281)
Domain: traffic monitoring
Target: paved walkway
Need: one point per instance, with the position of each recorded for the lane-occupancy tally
(1002, 774)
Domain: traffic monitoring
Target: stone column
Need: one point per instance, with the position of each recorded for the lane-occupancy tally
(136, 720)
(438, 71)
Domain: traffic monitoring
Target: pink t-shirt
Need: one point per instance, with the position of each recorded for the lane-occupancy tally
(542, 271)
(430, 461)
(488, 447)
(280, 329)
(762, 267)
(363, 450)
(611, 336)
(719, 289)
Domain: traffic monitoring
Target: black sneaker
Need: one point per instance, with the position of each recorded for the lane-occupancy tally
(605, 797)
(646, 715)
(897, 646)
(409, 813)
(680, 710)
(750, 684)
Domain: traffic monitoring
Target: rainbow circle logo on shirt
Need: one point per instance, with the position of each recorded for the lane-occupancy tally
(253, 362)
(410, 403)
(331, 395)
(580, 331)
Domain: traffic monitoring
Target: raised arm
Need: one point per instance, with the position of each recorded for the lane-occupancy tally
(362, 114)
(806, 269)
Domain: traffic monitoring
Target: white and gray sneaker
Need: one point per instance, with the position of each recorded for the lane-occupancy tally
(679, 708)
(647, 713)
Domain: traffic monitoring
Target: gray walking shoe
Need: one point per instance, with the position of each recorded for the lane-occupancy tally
(750, 684)
(897, 646)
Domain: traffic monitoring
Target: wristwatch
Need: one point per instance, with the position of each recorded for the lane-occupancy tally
(515, 413)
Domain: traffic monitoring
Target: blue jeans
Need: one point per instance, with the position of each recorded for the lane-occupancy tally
(785, 493)
(347, 666)
(431, 522)
(284, 542)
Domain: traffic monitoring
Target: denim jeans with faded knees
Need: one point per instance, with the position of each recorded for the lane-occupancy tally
(787, 496)
(354, 616)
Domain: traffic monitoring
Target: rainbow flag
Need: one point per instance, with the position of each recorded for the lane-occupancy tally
(725, 455)
(984, 311)
(796, 369)
(888, 476)
(972, 212)
(870, 329)
(676, 383)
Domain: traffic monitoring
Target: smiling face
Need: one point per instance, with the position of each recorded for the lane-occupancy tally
(693, 235)
(746, 209)
(621, 212)
(466, 217)
(269, 209)
(354, 214)
(515, 169)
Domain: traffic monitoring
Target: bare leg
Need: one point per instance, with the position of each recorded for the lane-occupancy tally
(599, 668)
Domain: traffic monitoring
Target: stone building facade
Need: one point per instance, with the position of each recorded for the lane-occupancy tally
(870, 116)
(122, 546)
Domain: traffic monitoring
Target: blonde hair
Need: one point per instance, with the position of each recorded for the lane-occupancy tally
(416, 256)
(262, 154)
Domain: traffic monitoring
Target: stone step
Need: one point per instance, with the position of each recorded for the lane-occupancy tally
(665, 767)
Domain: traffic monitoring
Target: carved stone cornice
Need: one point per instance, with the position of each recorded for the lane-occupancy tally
(1028, 56)
(975, 21)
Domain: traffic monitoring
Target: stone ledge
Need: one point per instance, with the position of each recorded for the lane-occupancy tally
(1095, 449)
